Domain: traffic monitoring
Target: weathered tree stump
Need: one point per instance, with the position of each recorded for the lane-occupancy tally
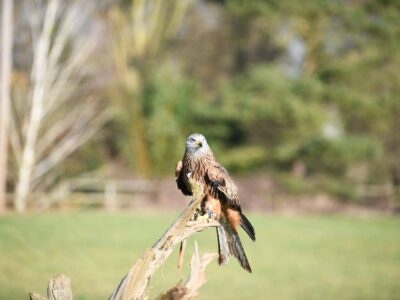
(59, 288)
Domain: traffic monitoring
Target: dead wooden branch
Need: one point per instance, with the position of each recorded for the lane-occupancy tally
(59, 288)
(36, 296)
(197, 275)
(195, 280)
(182, 249)
(134, 284)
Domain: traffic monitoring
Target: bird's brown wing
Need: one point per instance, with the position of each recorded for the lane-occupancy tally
(223, 188)
(180, 182)
(222, 185)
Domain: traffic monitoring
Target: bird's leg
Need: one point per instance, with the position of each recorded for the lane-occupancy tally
(212, 207)
(211, 214)
(201, 212)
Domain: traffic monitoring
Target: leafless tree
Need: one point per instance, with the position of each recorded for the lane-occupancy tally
(6, 62)
(60, 110)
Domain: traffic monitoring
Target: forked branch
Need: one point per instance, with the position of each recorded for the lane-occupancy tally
(133, 285)
(195, 280)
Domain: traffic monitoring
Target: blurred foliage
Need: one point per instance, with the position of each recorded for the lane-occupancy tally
(140, 28)
(269, 83)
(335, 186)
(167, 110)
(335, 156)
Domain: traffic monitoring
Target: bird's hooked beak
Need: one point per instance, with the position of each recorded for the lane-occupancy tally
(199, 143)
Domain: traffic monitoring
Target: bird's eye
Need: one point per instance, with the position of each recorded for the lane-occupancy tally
(192, 140)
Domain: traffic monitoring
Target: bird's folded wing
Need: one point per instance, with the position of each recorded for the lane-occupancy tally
(222, 185)
(180, 182)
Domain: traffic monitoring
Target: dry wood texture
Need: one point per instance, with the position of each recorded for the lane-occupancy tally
(133, 285)
(59, 288)
(195, 280)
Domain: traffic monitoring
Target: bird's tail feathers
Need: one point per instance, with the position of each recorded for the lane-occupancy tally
(246, 225)
(231, 241)
(236, 249)
(223, 248)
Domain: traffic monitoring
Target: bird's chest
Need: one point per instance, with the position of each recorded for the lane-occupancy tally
(195, 170)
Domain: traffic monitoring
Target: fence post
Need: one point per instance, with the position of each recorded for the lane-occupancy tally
(110, 196)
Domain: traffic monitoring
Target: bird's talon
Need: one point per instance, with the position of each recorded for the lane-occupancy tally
(211, 214)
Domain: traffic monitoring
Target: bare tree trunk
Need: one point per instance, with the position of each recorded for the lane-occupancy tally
(35, 119)
(6, 63)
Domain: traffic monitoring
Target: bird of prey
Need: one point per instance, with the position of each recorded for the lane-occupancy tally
(221, 196)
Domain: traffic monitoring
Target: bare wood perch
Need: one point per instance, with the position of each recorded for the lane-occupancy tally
(133, 285)
(195, 280)
(59, 288)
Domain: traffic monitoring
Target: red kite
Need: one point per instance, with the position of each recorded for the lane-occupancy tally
(221, 197)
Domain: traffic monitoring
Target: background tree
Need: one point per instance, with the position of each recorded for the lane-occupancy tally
(57, 110)
(272, 85)
(140, 33)
(6, 65)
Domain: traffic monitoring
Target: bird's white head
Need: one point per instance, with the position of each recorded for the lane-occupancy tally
(196, 144)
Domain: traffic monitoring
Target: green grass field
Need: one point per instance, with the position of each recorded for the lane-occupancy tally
(333, 257)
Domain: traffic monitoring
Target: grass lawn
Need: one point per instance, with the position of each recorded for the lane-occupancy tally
(335, 257)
